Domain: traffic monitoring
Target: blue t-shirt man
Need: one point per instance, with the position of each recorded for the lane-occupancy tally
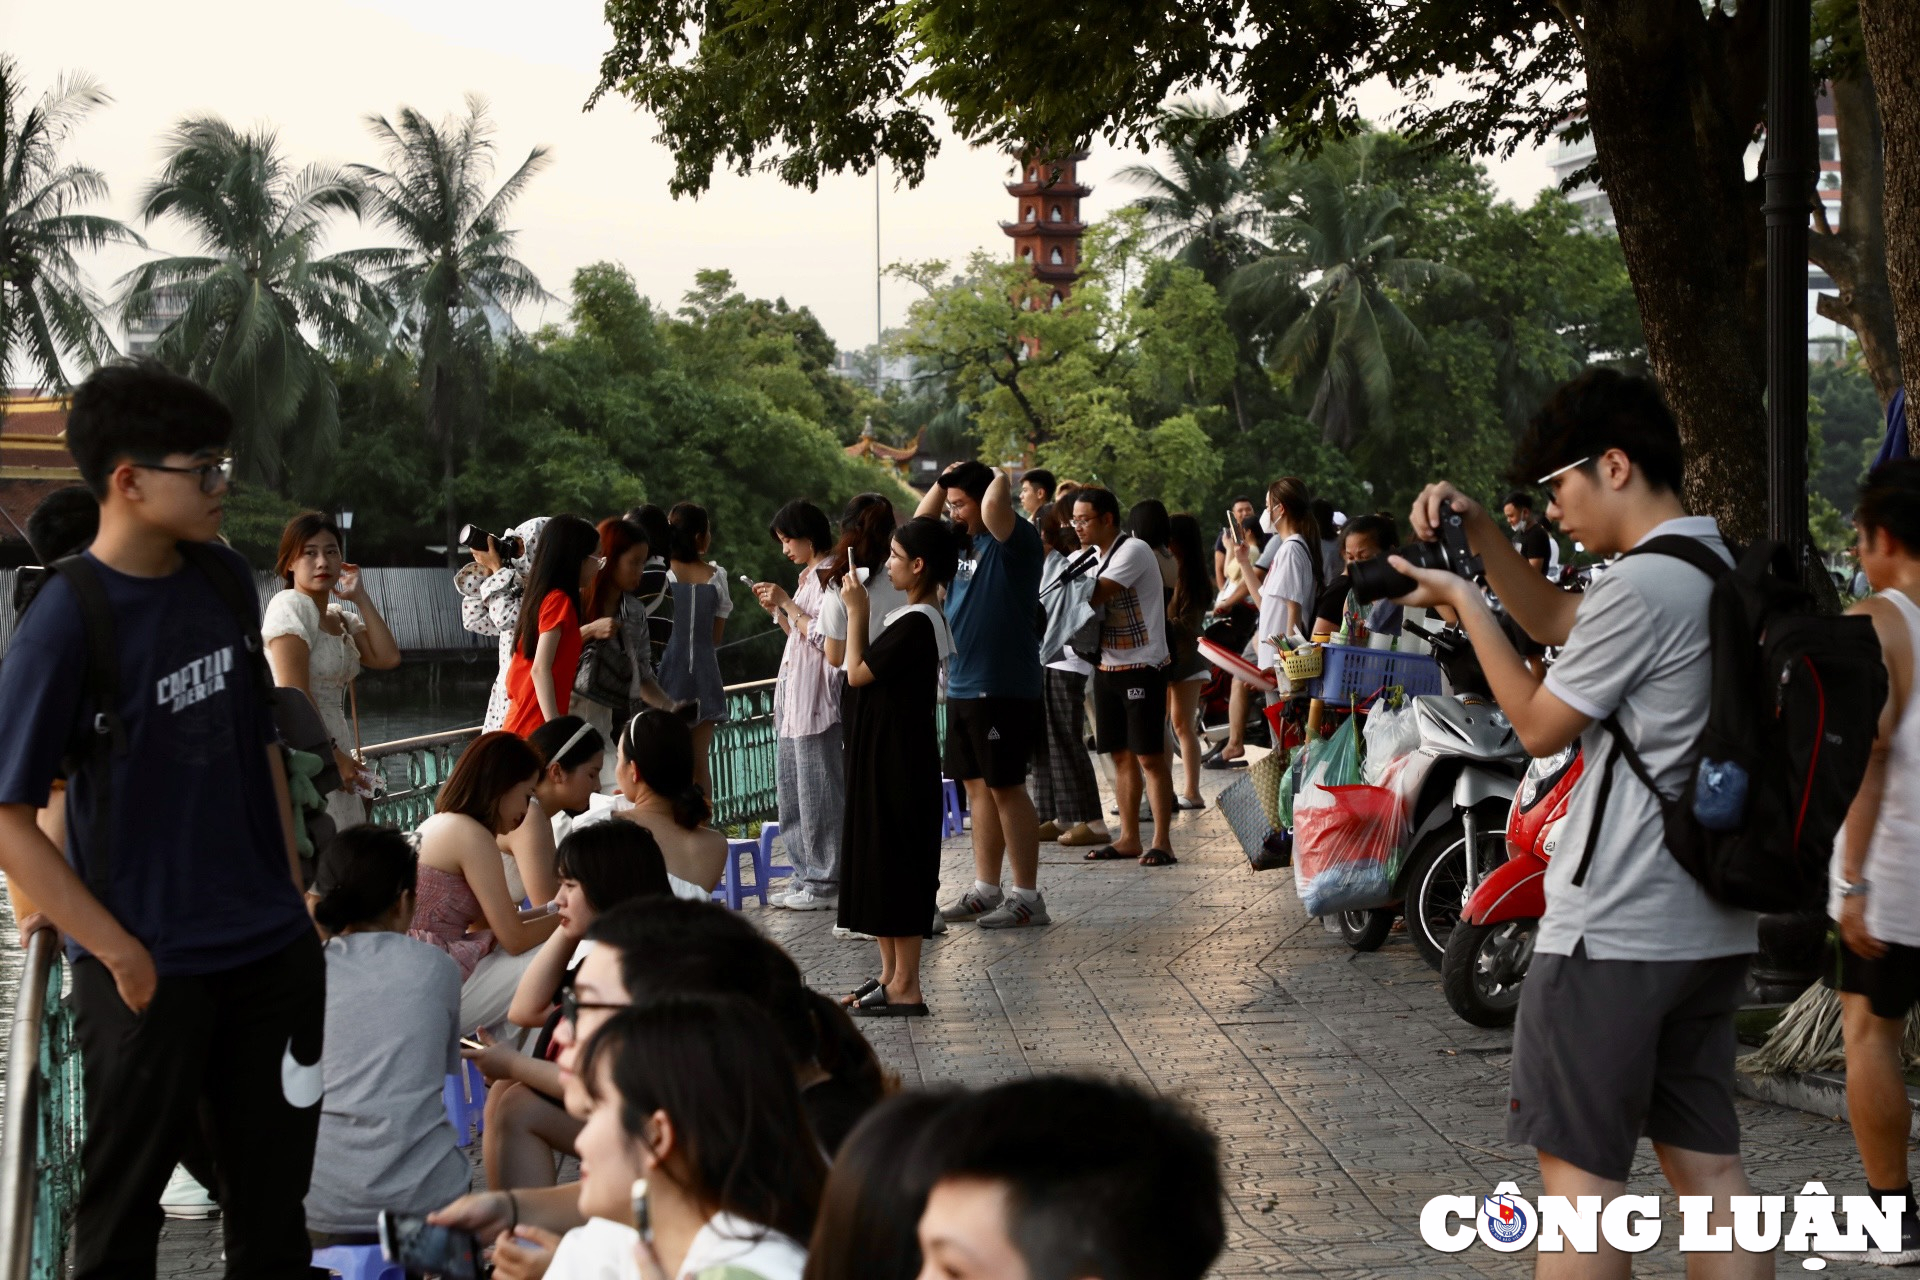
(198, 867)
(990, 608)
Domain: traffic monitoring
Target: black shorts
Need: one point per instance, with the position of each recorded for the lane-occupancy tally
(991, 738)
(1130, 711)
(1607, 1050)
(1890, 983)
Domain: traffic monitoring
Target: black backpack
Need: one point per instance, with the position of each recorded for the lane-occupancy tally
(1794, 710)
(96, 742)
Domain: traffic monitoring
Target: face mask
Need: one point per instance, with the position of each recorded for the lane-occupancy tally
(1266, 523)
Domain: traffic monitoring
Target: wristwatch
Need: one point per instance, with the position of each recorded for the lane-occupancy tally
(1854, 889)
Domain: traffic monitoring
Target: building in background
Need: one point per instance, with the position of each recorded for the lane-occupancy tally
(33, 462)
(1826, 339)
(1047, 227)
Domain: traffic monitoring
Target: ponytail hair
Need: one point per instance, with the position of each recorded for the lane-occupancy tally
(363, 871)
(687, 523)
(659, 746)
(866, 529)
(933, 541)
(1290, 494)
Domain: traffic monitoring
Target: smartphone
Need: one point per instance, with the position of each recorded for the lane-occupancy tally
(468, 1042)
(1233, 523)
(642, 1214)
(425, 1249)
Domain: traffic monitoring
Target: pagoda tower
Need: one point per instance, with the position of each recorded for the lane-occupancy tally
(1047, 229)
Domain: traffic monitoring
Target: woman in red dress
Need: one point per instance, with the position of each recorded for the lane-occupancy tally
(546, 645)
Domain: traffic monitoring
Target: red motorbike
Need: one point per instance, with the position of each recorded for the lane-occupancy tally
(1489, 951)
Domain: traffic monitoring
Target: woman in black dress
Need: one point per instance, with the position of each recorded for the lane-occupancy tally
(890, 870)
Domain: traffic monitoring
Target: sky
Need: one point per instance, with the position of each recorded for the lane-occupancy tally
(315, 70)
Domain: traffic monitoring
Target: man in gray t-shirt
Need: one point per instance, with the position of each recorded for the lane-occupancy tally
(1625, 1026)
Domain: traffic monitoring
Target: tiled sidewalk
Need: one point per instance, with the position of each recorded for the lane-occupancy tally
(1344, 1091)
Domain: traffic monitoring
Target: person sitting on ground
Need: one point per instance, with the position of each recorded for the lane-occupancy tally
(731, 1187)
(1036, 490)
(876, 1192)
(600, 867)
(1367, 538)
(690, 669)
(656, 947)
(1064, 1176)
(393, 1022)
(1064, 788)
(656, 775)
(1875, 898)
(546, 640)
(571, 751)
(463, 907)
(320, 647)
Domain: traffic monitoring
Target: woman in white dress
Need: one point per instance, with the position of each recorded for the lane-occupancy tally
(318, 647)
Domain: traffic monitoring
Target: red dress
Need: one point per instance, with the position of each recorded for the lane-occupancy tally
(523, 710)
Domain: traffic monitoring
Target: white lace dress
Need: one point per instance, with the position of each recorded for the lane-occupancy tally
(332, 663)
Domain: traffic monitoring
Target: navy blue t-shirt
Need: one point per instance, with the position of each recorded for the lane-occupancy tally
(990, 609)
(199, 870)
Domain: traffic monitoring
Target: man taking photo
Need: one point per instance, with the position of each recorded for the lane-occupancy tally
(1626, 1019)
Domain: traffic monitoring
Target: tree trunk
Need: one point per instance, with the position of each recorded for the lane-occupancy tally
(438, 424)
(1855, 254)
(1672, 97)
(1891, 32)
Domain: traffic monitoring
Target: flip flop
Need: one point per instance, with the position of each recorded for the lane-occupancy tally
(1105, 853)
(1237, 762)
(1158, 858)
(1188, 806)
(861, 992)
(876, 1005)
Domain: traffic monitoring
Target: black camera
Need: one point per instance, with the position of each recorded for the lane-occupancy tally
(474, 538)
(1376, 579)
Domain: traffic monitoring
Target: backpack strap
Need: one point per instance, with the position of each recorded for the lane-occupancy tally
(1681, 547)
(1622, 749)
(242, 601)
(105, 736)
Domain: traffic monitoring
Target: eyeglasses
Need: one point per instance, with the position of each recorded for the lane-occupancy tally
(571, 1005)
(214, 476)
(1079, 522)
(1551, 476)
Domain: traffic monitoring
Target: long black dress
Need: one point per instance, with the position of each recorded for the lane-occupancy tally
(890, 867)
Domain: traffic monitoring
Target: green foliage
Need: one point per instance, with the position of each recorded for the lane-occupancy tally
(48, 311)
(1844, 430)
(256, 290)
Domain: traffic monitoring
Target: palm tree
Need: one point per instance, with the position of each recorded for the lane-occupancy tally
(454, 275)
(246, 302)
(1328, 316)
(1205, 210)
(48, 312)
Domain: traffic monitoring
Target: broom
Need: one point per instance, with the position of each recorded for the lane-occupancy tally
(1808, 1037)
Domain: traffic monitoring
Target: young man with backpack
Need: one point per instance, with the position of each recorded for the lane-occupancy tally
(1626, 1019)
(197, 977)
(1875, 896)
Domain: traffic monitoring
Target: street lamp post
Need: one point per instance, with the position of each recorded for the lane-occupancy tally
(345, 520)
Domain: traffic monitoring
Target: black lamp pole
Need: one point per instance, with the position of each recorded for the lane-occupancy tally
(1790, 942)
(1790, 165)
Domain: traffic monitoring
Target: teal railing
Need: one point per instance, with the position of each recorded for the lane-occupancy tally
(744, 758)
(40, 1140)
(414, 770)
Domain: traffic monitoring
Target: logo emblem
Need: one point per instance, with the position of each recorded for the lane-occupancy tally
(1505, 1217)
(993, 735)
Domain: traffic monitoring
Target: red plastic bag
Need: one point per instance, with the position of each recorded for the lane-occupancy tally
(1346, 839)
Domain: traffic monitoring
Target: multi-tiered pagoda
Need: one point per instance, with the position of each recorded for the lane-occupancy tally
(1047, 230)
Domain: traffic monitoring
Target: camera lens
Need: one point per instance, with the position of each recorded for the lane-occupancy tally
(1377, 580)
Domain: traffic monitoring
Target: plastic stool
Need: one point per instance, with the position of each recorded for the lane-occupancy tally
(465, 1097)
(764, 862)
(358, 1261)
(953, 821)
(730, 890)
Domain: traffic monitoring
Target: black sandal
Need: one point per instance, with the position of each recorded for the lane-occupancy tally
(1105, 853)
(1158, 858)
(861, 992)
(876, 1005)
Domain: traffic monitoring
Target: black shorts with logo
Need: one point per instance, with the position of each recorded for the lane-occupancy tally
(1890, 982)
(991, 738)
(1130, 711)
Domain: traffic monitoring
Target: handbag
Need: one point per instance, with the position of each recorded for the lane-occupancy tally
(605, 674)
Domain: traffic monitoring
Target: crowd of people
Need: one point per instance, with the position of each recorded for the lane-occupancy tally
(272, 993)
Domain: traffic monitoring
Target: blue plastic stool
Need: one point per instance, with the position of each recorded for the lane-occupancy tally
(953, 820)
(730, 890)
(358, 1262)
(465, 1097)
(764, 862)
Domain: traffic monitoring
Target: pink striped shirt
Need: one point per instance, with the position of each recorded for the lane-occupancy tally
(808, 699)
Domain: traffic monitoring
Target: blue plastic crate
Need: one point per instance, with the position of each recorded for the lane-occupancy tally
(1353, 671)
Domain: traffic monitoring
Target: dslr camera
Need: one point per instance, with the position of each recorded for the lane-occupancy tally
(474, 538)
(1376, 579)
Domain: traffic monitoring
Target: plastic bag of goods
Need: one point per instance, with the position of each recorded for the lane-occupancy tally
(1346, 839)
(1391, 734)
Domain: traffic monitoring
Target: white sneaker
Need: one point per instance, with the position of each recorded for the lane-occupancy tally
(939, 924)
(841, 931)
(778, 897)
(185, 1198)
(805, 899)
(1016, 912)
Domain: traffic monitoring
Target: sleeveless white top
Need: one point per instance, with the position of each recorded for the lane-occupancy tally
(1893, 854)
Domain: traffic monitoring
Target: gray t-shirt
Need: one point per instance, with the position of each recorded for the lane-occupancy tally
(1638, 648)
(393, 1022)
